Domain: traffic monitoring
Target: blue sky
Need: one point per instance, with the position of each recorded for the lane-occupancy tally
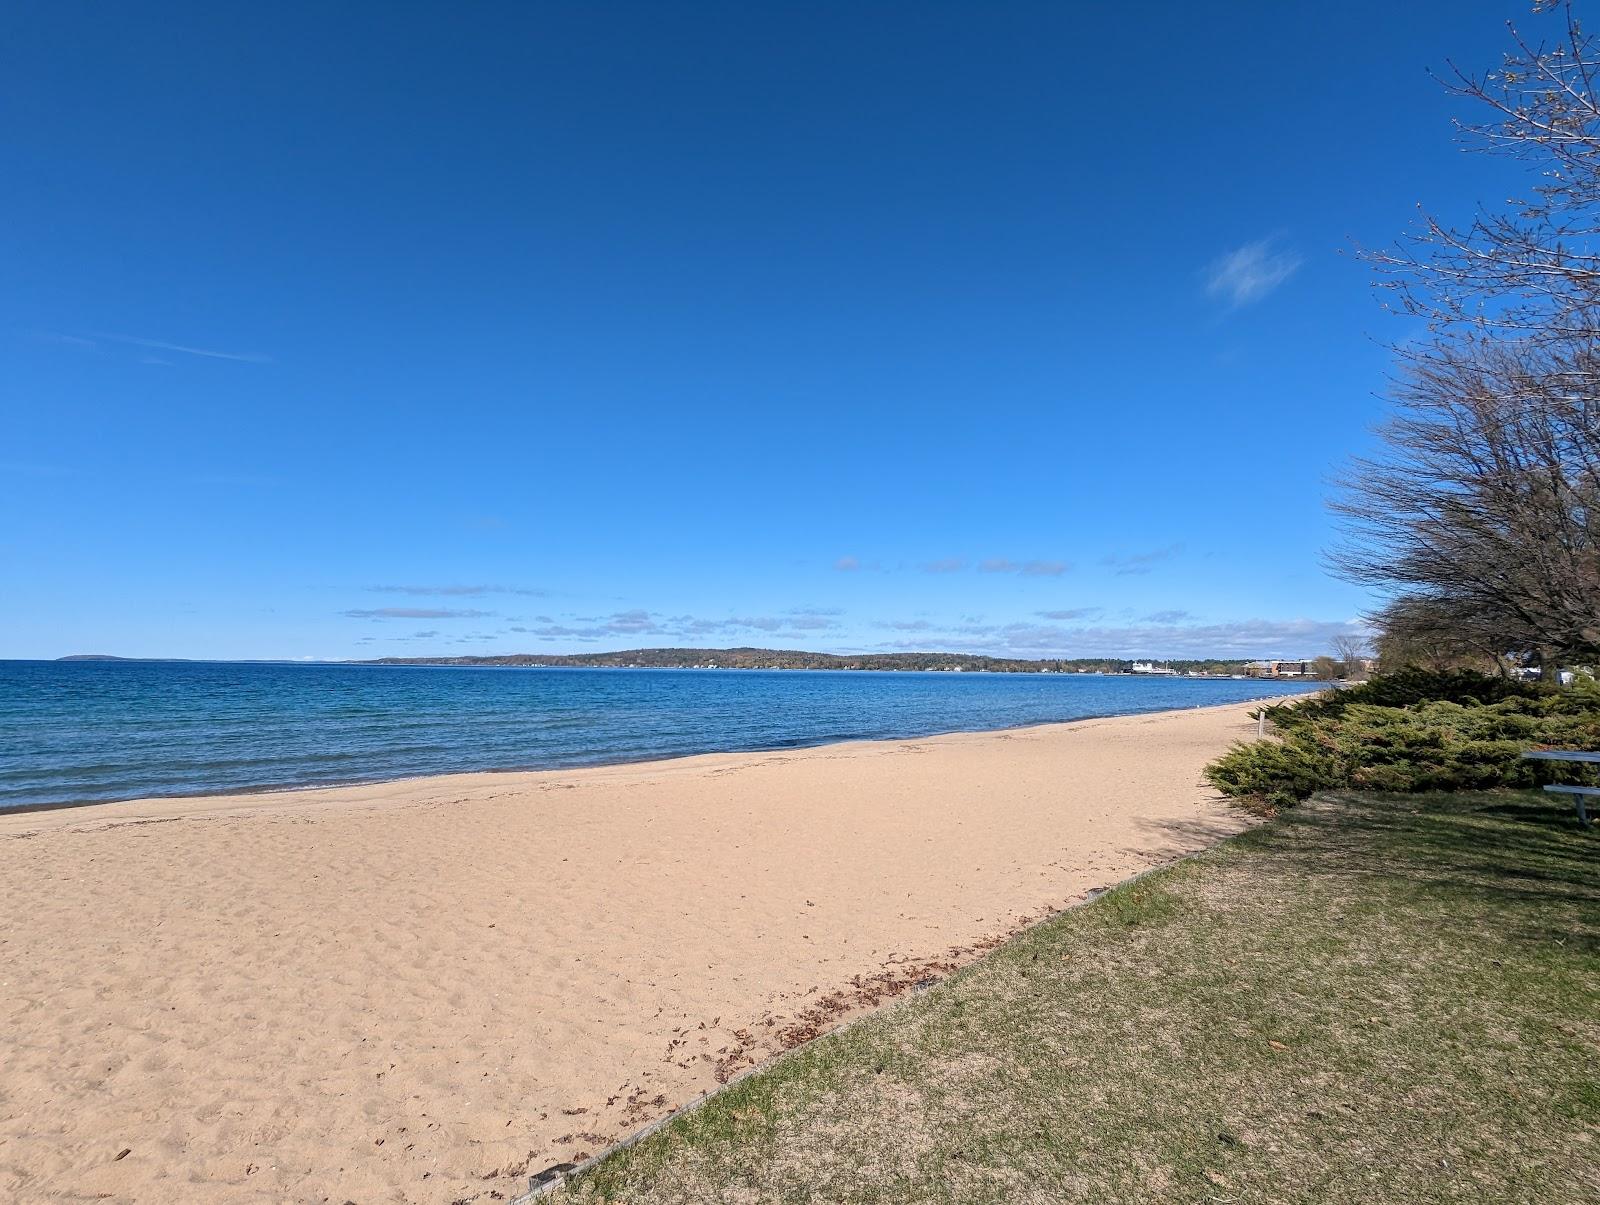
(1029, 328)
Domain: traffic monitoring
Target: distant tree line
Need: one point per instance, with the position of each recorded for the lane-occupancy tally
(1480, 519)
(754, 658)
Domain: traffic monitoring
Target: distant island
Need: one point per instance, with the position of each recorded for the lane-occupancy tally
(752, 658)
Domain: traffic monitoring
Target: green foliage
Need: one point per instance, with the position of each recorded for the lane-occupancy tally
(1272, 774)
(1141, 902)
(1413, 731)
(1411, 685)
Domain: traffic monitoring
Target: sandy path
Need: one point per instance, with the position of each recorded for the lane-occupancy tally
(423, 990)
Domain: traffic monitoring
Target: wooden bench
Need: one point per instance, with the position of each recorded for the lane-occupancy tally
(1579, 794)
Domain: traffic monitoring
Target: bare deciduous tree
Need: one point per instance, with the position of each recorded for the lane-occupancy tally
(1420, 632)
(1351, 652)
(1481, 519)
(1483, 515)
(1532, 271)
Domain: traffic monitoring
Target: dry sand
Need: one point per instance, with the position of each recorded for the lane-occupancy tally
(421, 991)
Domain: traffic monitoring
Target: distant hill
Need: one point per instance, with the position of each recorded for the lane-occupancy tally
(95, 657)
(752, 658)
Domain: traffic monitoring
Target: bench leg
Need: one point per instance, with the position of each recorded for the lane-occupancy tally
(1583, 812)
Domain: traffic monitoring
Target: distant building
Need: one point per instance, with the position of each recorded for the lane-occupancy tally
(1300, 667)
(1150, 667)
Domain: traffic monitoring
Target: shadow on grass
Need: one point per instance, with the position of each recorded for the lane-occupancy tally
(1505, 853)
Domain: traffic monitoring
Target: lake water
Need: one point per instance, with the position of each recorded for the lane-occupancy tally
(87, 731)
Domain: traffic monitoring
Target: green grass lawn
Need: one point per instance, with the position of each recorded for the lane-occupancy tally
(1371, 998)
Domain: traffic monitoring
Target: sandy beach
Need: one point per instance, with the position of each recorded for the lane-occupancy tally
(421, 991)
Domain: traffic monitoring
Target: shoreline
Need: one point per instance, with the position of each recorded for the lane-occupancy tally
(279, 789)
(429, 989)
(550, 1180)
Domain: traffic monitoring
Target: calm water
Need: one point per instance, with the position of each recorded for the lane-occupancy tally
(77, 732)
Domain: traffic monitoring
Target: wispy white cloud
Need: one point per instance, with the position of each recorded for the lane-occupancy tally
(207, 353)
(1167, 616)
(1074, 613)
(847, 564)
(1140, 562)
(1000, 564)
(1248, 273)
(458, 591)
(1244, 638)
(639, 624)
(413, 613)
(809, 623)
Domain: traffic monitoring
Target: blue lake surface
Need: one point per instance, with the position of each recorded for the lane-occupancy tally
(88, 731)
